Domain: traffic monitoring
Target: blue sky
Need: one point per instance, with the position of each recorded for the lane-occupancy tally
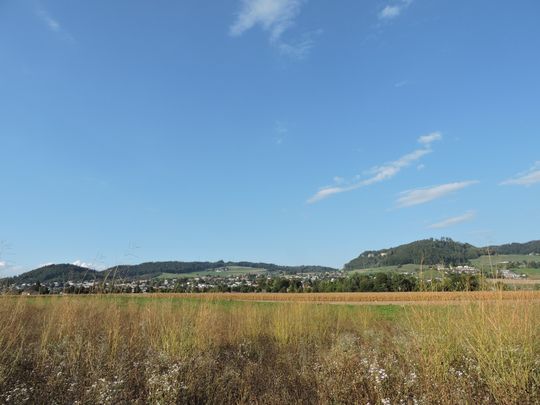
(285, 131)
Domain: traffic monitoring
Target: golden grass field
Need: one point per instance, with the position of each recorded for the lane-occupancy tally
(374, 298)
(481, 348)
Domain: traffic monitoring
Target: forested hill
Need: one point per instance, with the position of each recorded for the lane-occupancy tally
(517, 248)
(435, 251)
(70, 272)
(57, 272)
(153, 269)
(428, 251)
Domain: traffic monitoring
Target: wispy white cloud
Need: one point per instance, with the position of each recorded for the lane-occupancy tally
(80, 263)
(281, 131)
(392, 11)
(88, 265)
(389, 170)
(275, 17)
(4, 249)
(424, 195)
(53, 24)
(528, 178)
(299, 48)
(8, 269)
(401, 83)
(430, 138)
(49, 21)
(326, 192)
(380, 173)
(468, 216)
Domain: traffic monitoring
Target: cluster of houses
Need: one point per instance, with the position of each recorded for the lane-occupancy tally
(222, 282)
(218, 283)
(511, 275)
(505, 273)
(464, 270)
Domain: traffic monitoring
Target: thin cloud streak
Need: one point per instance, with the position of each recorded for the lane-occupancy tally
(468, 216)
(392, 11)
(401, 83)
(300, 48)
(381, 173)
(49, 21)
(281, 132)
(528, 178)
(53, 25)
(430, 138)
(274, 17)
(424, 195)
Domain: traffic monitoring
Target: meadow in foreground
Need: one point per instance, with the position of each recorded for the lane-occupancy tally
(161, 350)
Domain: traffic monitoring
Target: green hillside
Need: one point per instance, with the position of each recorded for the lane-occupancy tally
(427, 252)
(156, 269)
(444, 251)
(219, 272)
(69, 272)
(519, 264)
(485, 260)
(59, 273)
(406, 268)
(533, 274)
(406, 258)
(518, 248)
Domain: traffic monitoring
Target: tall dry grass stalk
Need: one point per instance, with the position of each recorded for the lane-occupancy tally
(133, 349)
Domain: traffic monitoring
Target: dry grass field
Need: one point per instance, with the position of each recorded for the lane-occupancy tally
(533, 284)
(374, 298)
(484, 348)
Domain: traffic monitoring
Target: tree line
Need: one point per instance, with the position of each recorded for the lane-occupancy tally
(378, 282)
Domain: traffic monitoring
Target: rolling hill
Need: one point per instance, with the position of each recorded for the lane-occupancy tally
(427, 252)
(70, 272)
(518, 248)
(435, 251)
(57, 272)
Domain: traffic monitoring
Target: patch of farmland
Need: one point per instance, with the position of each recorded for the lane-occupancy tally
(501, 259)
(406, 268)
(533, 274)
(223, 271)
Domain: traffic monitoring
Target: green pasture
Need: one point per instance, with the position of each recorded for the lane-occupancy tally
(501, 259)
(221, 272)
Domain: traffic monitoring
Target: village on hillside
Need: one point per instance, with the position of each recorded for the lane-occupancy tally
(248, 282)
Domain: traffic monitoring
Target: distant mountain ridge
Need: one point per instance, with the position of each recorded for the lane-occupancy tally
(435, 251)
(71, 272)
(427, 251)
(151, 269)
